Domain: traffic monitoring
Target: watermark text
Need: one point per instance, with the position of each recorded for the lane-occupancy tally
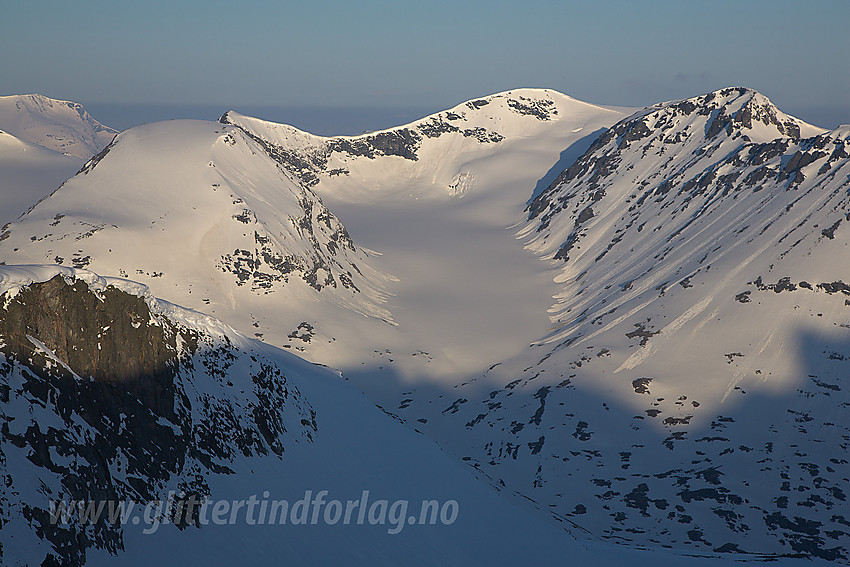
(314, 508)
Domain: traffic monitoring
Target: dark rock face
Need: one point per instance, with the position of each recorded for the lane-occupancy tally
(308, 163)
(89, 165)
(107, 339)
(402, 142)
(540, 109)
(97, 396)
(264, 266)
(304, 165)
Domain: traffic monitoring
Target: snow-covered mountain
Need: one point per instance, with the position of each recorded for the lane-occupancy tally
(57, 125)
(202, 214)
(230, 226)
(436, 198)
(433, 148)
(634, 319)
(692, 389)
(674, 367)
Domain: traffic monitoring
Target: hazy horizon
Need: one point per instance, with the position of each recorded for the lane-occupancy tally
(323, 121)
(331, 120)
(391, 56)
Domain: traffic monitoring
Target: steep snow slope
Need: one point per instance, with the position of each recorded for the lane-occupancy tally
(57, 125)
(223, 417)
(201, 214)
(707, 194)
(693, 387)
(437, 198)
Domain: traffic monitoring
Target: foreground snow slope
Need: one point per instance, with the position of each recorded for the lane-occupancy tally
(289, 430)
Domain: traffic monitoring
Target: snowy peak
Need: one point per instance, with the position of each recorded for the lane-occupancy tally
(57, 125)
(731, 110)
(651, 201)
(672, 141)
(697, 356)
(222, 225)
(221, 157)
(473, 127)
(542, 104)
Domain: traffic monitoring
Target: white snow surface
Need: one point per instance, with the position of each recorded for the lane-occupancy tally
(467, 294)
(202, 215)
(379, 454)
(29, 172)
(57, 125)
(441, 293)
(43, 142)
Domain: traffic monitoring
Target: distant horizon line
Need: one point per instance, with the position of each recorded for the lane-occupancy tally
(825, 116)
(318, 120)
(337, 119)
(231, 106)
(343, 120)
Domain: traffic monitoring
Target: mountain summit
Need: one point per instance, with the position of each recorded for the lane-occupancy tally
(204, 215)
(689, 390)
(57, 125)
(42, 143)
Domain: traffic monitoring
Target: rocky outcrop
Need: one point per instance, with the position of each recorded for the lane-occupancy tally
(108, 338)
(103, 399)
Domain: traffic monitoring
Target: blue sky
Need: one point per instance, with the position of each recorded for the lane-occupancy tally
(427, 54)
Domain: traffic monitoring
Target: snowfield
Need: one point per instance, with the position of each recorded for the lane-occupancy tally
(321, 453)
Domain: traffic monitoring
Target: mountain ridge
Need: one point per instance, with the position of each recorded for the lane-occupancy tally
(207, 190)
(42, 143)
(484, 121)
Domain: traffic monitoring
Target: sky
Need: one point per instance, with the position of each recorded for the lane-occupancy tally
(419, 57)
